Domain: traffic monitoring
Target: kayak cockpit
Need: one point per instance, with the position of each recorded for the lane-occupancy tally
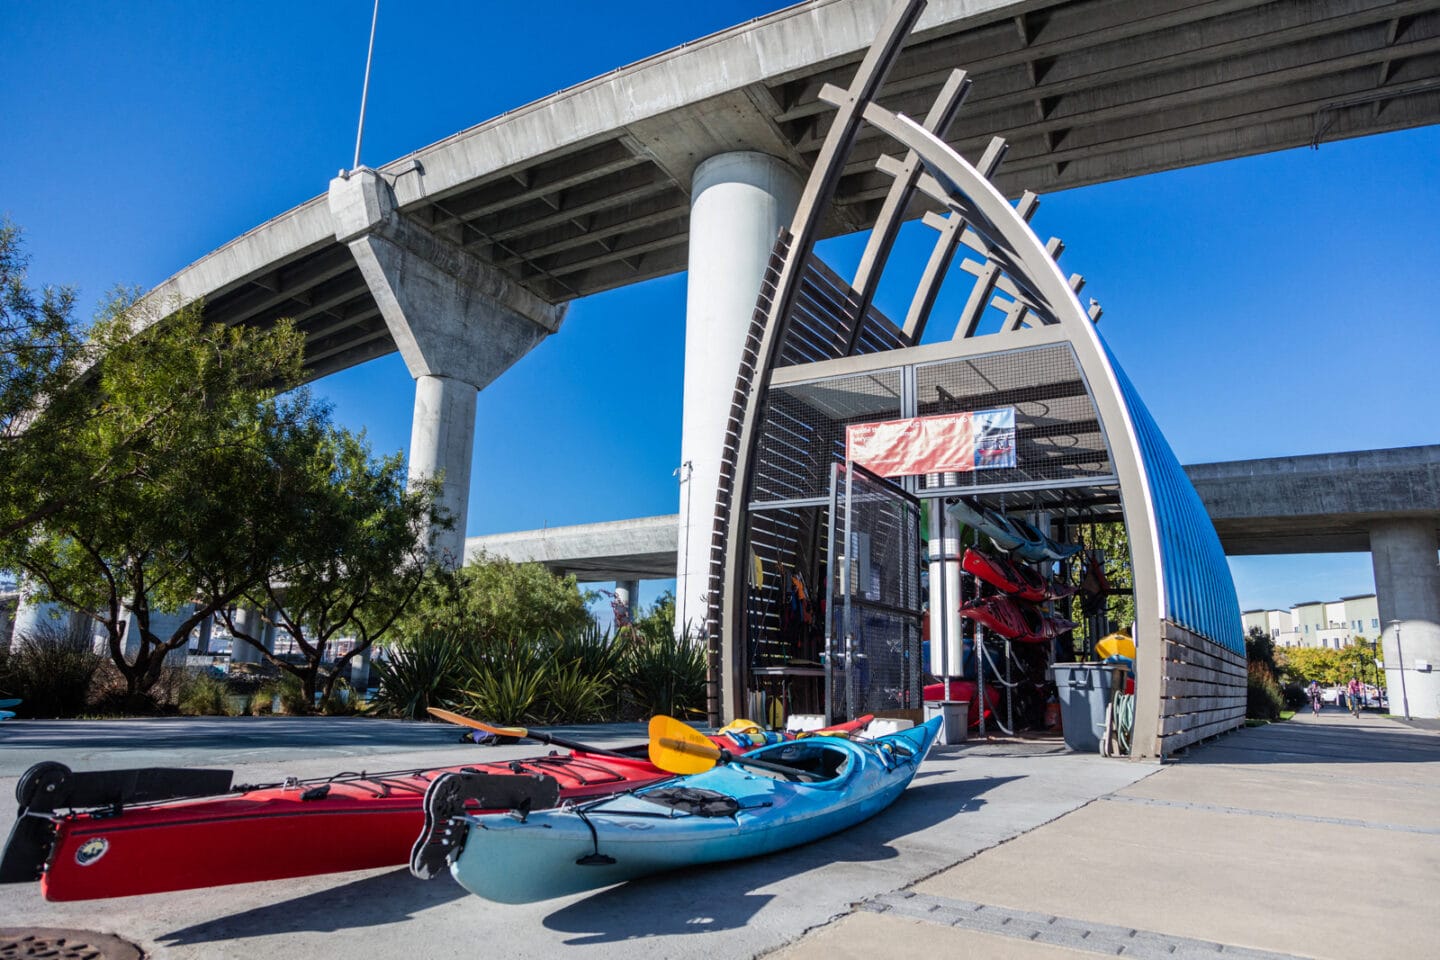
(813, 761)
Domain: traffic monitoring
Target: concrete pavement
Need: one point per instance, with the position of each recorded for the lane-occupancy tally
(1317, 838)
(1000, 850)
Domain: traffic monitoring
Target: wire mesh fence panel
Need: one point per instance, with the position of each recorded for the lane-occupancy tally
(874, 637)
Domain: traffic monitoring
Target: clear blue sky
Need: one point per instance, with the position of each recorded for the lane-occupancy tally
(1274, 305)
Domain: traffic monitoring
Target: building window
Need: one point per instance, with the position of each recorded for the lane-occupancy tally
(1374, 622)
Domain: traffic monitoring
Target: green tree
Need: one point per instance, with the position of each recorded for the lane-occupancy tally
(1259, 648)
(493, 599)
(180, 452)
(1303, 664)
(353, 559)
(40, 357)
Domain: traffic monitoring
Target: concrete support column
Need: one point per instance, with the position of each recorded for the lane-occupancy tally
(627, 594)
(442, 443)
(1407, 589)
(207, 626)
(739, 202)
(248, 620)
(458, 321)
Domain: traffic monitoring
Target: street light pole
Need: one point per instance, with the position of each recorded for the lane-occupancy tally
(1400, 660)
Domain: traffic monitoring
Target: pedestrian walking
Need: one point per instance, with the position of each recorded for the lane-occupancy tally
(1353, 691)
(1315, 696)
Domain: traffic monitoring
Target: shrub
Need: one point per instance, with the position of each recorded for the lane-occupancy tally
(663, 673)
(51, 669)
(506, 683)
(426, 672)
(205, 695)
(1263, 698)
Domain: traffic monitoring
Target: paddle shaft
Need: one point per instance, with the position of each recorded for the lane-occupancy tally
(526, 734)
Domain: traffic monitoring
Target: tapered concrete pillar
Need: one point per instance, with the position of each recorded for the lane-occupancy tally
(248, 620)
(739, 202)
(1407, 589)
(442, 444)
(458, 321)
(627, 595)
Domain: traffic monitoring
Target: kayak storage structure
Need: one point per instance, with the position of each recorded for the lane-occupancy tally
(874, 439)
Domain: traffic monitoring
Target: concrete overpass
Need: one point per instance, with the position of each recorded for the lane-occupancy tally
(590, 188)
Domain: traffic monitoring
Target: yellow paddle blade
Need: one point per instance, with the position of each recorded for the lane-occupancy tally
(465, 721)
(680, 748)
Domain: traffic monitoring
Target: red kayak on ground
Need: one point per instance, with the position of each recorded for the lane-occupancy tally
(124, 832)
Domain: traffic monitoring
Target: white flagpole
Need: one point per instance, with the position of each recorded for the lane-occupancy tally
(365, 90)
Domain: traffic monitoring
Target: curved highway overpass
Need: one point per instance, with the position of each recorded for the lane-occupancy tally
(590, 188)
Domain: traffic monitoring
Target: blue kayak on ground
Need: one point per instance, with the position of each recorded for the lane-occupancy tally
(727, 813)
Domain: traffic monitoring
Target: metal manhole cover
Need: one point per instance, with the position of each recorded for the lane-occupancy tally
(48, 943)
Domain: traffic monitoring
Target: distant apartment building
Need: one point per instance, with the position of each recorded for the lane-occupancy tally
(1317, 623)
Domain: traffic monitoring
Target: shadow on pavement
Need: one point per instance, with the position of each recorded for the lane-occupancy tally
(188, 733)
(1327, 740)
(708, 899)
(372, 902)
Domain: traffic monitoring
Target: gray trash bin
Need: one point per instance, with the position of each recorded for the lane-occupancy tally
(1084, 690)
(955, 717)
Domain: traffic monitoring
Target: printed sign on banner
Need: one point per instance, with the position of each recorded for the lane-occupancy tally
(945, 443)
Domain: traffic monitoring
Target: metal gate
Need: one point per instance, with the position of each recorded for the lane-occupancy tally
(872, 635)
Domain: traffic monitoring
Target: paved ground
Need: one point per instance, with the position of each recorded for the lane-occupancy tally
(1238, 846)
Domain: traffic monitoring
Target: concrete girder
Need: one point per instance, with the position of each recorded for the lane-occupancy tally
(451, 314)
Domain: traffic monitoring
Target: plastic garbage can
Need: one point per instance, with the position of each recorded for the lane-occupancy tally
(954, 714)
(1084, 690)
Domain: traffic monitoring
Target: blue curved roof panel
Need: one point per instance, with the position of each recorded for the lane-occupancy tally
(1199, 591)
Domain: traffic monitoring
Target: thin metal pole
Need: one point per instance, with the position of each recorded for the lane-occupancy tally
(365, 90)
(1400, 656)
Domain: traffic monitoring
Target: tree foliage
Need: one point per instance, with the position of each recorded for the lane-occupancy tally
(40, 356)
(1328, 666)
(353, 557)
(491, 598)
(169, 485)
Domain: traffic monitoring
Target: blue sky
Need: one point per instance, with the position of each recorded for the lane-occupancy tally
(1274, 305)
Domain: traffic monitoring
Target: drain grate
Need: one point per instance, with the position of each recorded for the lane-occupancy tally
(34, 943)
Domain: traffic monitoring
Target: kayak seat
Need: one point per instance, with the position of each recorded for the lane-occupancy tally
(810, 760)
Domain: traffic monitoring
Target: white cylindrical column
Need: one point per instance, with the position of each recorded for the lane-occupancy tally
(947, 641)
(442, 440)
(739, 202)
(1407, 590)
(248, 620)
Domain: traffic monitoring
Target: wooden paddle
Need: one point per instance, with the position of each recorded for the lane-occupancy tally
(680, 748)
(524, 733)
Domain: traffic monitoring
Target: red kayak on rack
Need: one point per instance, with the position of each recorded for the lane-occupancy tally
(1013, 578)
(1002, 615)
(122, 832)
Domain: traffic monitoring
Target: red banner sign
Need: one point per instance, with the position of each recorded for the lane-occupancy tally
(946, 443)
